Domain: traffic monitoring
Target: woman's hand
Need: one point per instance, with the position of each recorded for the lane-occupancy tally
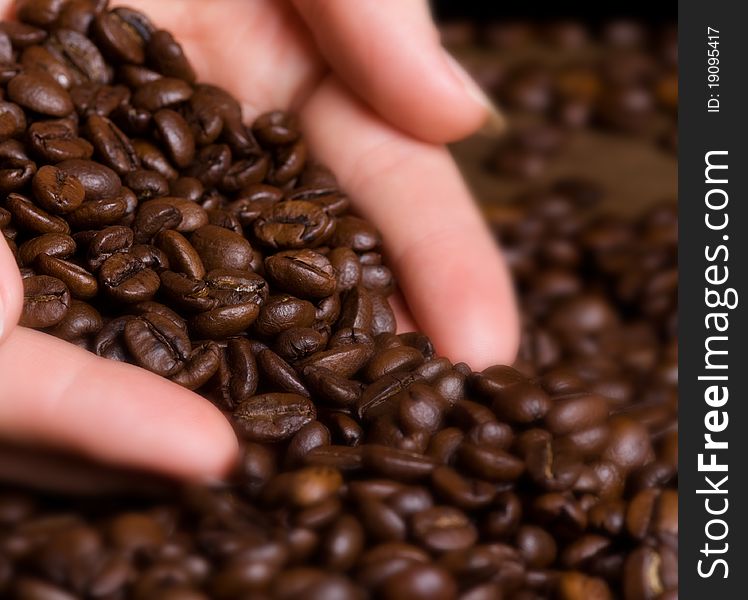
(377, 97)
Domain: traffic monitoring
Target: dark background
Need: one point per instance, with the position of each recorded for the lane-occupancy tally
(539, 10)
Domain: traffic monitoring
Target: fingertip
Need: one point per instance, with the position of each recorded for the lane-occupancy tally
(389, 54)
(213, 451)
(11, 290)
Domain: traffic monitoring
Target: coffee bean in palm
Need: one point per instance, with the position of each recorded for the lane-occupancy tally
(112, 146)
(56, 141)
(98, 180)
(176, 136)
(40, 93)
(117, 38)
(293, 224)
(220, 248)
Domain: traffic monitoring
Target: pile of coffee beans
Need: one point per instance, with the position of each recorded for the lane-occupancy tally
(558, 78)
(152, 226)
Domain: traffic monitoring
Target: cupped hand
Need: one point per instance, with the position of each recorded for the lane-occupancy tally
(377, 98)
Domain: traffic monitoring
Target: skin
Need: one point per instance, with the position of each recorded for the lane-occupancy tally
(377, 98)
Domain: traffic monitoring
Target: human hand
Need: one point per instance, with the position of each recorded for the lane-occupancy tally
(383, 143)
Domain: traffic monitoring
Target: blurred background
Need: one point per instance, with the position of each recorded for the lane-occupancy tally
(589, 92)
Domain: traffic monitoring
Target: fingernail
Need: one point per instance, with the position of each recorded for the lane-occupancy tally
(495, 122)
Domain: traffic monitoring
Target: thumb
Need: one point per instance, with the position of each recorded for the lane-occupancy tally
(388, 52)
(11, 290)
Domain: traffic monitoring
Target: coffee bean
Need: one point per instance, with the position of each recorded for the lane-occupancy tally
(167, 57)
(571, 414)
(220, 248)
(56, 141)
(112, 145)
(273, 417)
(40, 93)
(46, 301)
(32, 218)
(444, 529)
(125, 278)
(176, 135)
(293, 224)
(157, 344)
(57, 191)
(302, 272)
(118, 38)
(98, 180)
(54, 244)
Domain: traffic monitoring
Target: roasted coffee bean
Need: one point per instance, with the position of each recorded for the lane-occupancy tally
(443, 529)
(489, 463)
(98, 180)
(79, 282)
(183, 258)
(176, 136)
(167, 57)
(12, 120)
(113, 146)
(303, 273)
(38, 92)
(202, 364)
(330, 387)
(125, 278)
(106, 242)
(575, 413)
(99, 213)
(354, 233)
(80, 321)
(273, 417)
(81, 55)
(117, 38)
(46, 301)
(32, 218)
(402, 358)
(460, 491)
(56, 190)
(56, 141)
(281, 313)
(521, 403)
(293, 224)
(220, 248)
(101, 100)
(279, 374)
(397, 464)
(157, 344)
(54, 244)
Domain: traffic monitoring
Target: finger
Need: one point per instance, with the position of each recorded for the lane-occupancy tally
(57, 394)
(451, 272)
(388, 51)
(403, 317)
(11, 290)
